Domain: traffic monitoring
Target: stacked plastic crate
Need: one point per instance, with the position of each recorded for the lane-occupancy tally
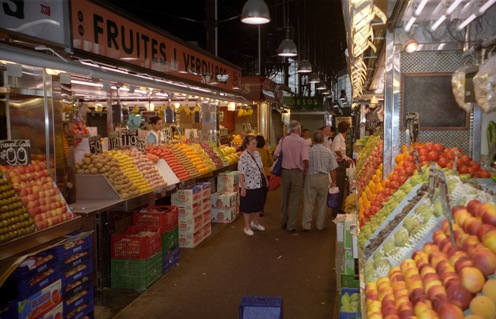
(136, 257)
(189, 202)
(53, 283)
(166, 218)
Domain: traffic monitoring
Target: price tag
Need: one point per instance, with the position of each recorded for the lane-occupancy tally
(168, 134)
(141, 146)
(129, 137)
(95, 145)
(114, 141)
(15, 152)
(417, 161)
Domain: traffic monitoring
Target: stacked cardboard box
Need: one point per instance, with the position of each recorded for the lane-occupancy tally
(227, 182)
(346, 246)
(225, 207)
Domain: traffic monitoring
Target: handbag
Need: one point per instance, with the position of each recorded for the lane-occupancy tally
(333, 198)
(263, 180)
(276, 169)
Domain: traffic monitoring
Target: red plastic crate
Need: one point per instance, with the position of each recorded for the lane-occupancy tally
(131, 246)
(164, 217)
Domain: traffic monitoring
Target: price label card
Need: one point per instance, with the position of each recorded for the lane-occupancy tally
(191, 135)
(199, 135)
(95, 145)
(417, 160)
(114, 141)
(141, 146)
(15, 152)
(168, 134)
(129, 137)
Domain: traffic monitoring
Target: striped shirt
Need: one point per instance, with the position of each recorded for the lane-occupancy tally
(321, 160)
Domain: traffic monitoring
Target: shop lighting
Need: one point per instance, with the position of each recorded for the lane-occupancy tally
(128, 58)
(486, 6)
(255, 12)
(313, 78)
(438, 22)
(287, 48)
(467, 21)
(453, 6)
(408, 26)
(374, 100)
(408, 42)
(86, 83)
(326, 92)
(304, 66)
(421, 7)
(321, 85)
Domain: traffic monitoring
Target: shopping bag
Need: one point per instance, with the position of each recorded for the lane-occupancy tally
(350, 172)
(276, 169)
(274, 181)
(333, 198)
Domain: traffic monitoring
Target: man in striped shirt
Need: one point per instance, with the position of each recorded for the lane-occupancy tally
(321, 162)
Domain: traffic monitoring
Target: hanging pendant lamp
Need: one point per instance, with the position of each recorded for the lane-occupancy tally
(304, 66)
(287, 48)
(255, 12)
(313, 78)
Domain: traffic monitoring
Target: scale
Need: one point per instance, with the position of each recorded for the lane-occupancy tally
(412, 126)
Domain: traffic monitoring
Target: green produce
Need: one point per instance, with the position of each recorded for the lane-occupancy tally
(491, 135)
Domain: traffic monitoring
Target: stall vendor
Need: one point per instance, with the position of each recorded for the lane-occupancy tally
(134, 121)
(153, 135)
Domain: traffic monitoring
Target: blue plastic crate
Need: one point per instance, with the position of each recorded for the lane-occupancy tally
(77, 302)
(260, 307)
(348, 315)
(76, 287)
(75, 260)
(74, 244)
(29, 286)
(35, 265)
(71, 275)
(170, 259)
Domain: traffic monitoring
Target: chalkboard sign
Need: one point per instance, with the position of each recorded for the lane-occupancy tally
(95, 145)
(141, 146)
(114, 141)
(129, 137)
(430, 95)
(15, 152)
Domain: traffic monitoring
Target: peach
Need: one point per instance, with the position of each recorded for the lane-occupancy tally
(485, 228)
(457, 255)
(488, 212)
(473, 226)
(485, 260)
(489, 240)
(460, 214)
(472, 279)
(375, 316)
(450, 311)
(473, 317)
(469, 243)
(459, 296)
(427, 269)
(438, 236)
(429, 247)
(473, 207)
(429, 314)
(437, 291)
(421, 307)
(483, 306)
(489, 289)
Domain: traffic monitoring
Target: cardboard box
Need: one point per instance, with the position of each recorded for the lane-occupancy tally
(349, 266)
(190, 240)
(227, 199)
(207, 230)
(41, 302)
(230, 177)
(223, 215)
(223, 188)
(206, 189)
(57, 312)
(207, 204)
(187, 196)
(207, 218)
(190, 224)
(189, 211)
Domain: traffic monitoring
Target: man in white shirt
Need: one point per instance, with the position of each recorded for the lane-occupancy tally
(327, 136)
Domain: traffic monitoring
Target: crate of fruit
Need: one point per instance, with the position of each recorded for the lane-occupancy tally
(83, 297)
(170, 239)
(28, 286)
(35, 265)
(73, 244)
(349, 305)
(135, 274)
(138, 242)
(164, 217)
(349, 281)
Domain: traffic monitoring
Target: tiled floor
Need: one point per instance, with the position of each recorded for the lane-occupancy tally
(211, 279)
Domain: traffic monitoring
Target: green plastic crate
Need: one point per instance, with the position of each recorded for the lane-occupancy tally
(349, 281)
(170, 239)
(135, 274)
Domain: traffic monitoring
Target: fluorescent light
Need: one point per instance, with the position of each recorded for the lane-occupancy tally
(453, 6)
(467, 21)
(408, 26)
(86, 83)
(421, 7)
(486, 6)
(438, 22)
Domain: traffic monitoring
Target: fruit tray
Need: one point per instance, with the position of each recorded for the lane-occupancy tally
(73, 244)
(170, 239)
(138, 242)
(344, 314)
(77, 273)
(26, 287)
(191, 224)
(76, 259)
(84, 297)
(77, 286)
(135, 274)
(83, 311)
(35, 265)
(164, 217)
(170, 259)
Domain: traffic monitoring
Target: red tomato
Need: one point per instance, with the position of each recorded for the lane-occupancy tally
(463, 169)
(449, 165)
(442, 161)
(423, 151)
(438, 147)
(402, 179)
(474, 164)
(423, 158)
(429, 146)
(484, 173)
(465, 159)
(433, 156)
(423, 163)
(449, 154)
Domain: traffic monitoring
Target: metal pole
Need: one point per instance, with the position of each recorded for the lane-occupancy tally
(259, 50)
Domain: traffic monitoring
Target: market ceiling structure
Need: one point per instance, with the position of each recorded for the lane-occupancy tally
(318, 30)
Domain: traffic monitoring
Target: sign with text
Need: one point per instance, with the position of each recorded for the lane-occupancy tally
(114, 141)
(141, 146)
(129, 137)
(95, 145)
(101, 31)
(37, 18)
(305, 102)
(15, 152)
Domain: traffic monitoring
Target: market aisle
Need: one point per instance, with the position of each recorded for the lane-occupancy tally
(211, 279)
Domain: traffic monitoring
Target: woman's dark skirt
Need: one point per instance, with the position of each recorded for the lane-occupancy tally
(253, 202)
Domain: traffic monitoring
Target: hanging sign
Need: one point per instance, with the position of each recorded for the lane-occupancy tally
(95, 145)
(129, 137)
(114, 141)
(315, 103)
(15, 152)
(99, 30)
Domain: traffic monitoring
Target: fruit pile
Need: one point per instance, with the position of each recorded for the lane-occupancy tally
(350, 302)
(209, 149)
(131, 173)
(194, 157)
(169, 157)
(14, 218)
(147, 169)
(184, 160)
(39, 194)
(442, 280)
(204, 157)
(229, 154)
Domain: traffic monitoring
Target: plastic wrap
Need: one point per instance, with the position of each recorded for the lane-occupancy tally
(485, 85)
(458, 86)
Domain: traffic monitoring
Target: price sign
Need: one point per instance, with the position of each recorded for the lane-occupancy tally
(168, 134)
(95, 145)
(417, 160)
(191, 135)
(15, 152)
(199, 135)
(141, 146)
(129, 137)
(114, 141)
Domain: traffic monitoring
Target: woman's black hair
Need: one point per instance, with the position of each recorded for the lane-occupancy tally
(343, 126)
(260, 141)
(154, 119)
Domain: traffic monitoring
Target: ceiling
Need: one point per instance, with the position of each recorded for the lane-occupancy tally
(319, 31)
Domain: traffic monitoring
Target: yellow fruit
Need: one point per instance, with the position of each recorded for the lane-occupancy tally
(483, 306)
(489, 290)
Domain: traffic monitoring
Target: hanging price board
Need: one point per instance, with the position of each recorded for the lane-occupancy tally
(141, 145)
(95, 145)
(247, 127)
(114, 141)
(129, 137)
(15, 152)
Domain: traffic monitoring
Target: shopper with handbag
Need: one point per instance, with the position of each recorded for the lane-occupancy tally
(252, 179)
(267, 162)
(294, 167)
(339, 148)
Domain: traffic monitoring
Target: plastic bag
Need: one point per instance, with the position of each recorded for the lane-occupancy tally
(333, 198)
(485, 85)
(274, 181)
(350, 172)
(458, 87)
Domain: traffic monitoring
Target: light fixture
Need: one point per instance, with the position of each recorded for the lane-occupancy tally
(321, 85)
(255, 12)
(467, 21)
(304, 66)
(343, 97)
(313, 78)
(326, 92)
(374, 100)
(231, 106)
(408, 42)
(287, 48)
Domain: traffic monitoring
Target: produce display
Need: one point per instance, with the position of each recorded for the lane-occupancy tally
(229, 154)
(194, 156)
(209, 149)
(204, 157)
(39, 195)
(170, 158)
(183, 158)
(145, 166)
(14, 218)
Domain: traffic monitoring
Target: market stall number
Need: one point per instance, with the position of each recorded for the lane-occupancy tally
(114, 141)
(95, 145)
(15, 152)
(129, 137)
(141, 145)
